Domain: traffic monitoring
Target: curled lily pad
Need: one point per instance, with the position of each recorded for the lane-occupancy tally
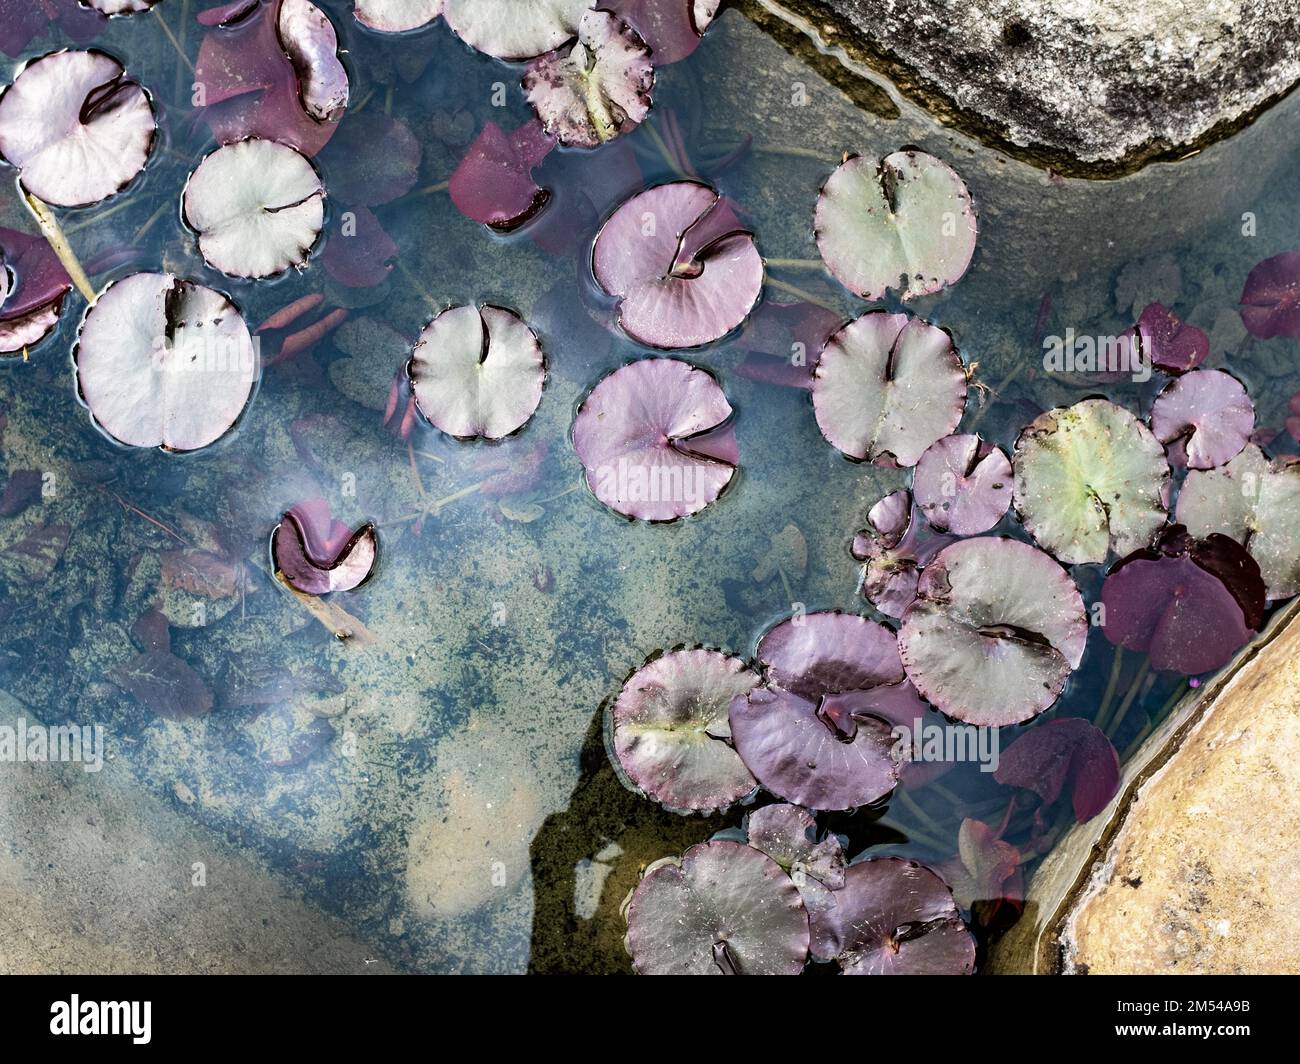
(316, 554)
(515, 29)
(1210, 412)
(825, 653)
(76, 127)
(1257, 503)
(1170, 344)
(724, 909)
(672, 28)
(33, 285)
(896, 917)
(257, 206)
(493, 183)
(894, 546)
(165, 362)
(1270, 301)
(598, 89)
(963, 485)
(1191, 604)
(670, 735)
(904, 222)
(397, 16)
(1055, 752)
(478, 372)
(685, 271)
(995, 631)
(655, 440)
(1090, 479)
(888, 386)
(312, 45)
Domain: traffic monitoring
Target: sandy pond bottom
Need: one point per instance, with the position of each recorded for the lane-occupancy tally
(440, 791)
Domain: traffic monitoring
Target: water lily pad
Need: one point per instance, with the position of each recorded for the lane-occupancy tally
(963, 485)
(1270, 301)
(493, 183)
(905, 222)
(372, 160)
(317, 555)
(1055, 752)
(309, 39)
(1209, 412)
(1090, 479)
(669, 731)
(684, 269)
(888, 386)
(723, 909)
(257, 206)
(896, 917)
(1257, 503)
(672, 28)
(1170, 344)
(995, 631)
(165, 362)
(985, 873)
(33, 286)
(1190, 604)
(478, 372)
(76, 126)
(598, 89)
(894, 546)
(397, 16)
(825, 653)
(655, 440)
(121, 7)
(515, 29)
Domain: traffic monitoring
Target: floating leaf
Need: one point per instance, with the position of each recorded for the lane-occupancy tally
(164, 362)
(888, 385)
(995, 631)
(655, 440)
(76, 126)
(121, 7)
(1170, 344)
(1270, 302)
(672, 28)
(1191, 604)
(33, 285)
(163, 684)
(1055, 752)
(894, 547)
(723, 909)
(1209, 412)
(682, 266)
(397, 16)
(1090, 479)
(904, 222)
(963, 485)
(1257, 503)
(669, 732)
(308, 38)
(817, 654)
(314, 559)
(515, 29)
(493, 183)
(477, 372)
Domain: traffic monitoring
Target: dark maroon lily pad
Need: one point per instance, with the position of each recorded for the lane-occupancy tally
(896, 917)
(1189, 603)
(372, 160)
(1169, 343)
(995, 631)
(1056, 752)
(724, 909)
(894, 546)
(33, 286)
(316, 554)
(163, 684)
(1210, 412)
(362, 255)
(655, 440)
(494, 184)
(826, 653)
(669, 731)
(1270, 302)
(22, 22)
(963, 485)
(672, 28)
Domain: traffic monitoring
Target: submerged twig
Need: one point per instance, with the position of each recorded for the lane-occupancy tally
(54, 236)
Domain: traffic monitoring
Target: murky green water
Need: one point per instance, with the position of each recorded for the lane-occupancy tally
(459, 811)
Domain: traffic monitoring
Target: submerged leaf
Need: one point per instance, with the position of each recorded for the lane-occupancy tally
(1055, 752)
(33, 285)
(1170, 344)
(163, 684)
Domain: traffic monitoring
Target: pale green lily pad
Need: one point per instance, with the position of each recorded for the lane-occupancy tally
(1257, 503)
(1089, 479)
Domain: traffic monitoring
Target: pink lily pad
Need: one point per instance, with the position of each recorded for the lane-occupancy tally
(724, 908)
(995, 631)
(894, 546)
(963, 485)
(493, 184)
(1270, 301)
(672, 28)
(1210, 412)
(887, 387)
(655, 440)
(33, 286)
(77, 128)
(669, 731)
(683, 268)
(397, 16)
(1170, 344)
(317, 555)
(121, 7)
(1055, 752)
(826, 653)
(515, 29)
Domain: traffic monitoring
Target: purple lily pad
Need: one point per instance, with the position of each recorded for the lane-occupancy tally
(1190, 604)
(372, 160)
(896, 917)
(655, 440)
(794, 334)
(669, 731)
(478, 372)
(22, 21)
(963, 485)
(397, 16)
(1210, 412)
(165, 362)
(724, 909)
(33, 286)
(1270, 301)
(361, 257)
(903, 222)
(887, 387)
(672, 28)
(77, 128)
(317, 555)
(826, 653)
(1170, 344)
(1055, 752)
(995, 631)
(682, 266)
(598, 89)
(493, 184)
(514, 29)
(894, 547)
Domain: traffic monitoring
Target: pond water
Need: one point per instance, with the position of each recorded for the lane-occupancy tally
(442, 786)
